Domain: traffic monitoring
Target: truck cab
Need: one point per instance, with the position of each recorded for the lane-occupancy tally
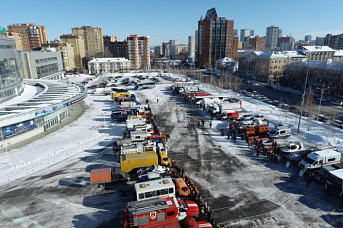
(317, 159)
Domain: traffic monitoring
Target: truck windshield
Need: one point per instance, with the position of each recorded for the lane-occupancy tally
(309, 160)
(272, 132)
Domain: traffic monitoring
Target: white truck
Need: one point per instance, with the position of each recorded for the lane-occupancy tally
(227, 110)
(205, 101)
(280, 131)
(132, 121)
(334, 183)
(317, 159)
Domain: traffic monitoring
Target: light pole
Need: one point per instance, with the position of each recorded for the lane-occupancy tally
(321, 97)
(8, 157)
(304, 93)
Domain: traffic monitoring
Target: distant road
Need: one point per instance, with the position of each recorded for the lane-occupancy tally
(326, 108)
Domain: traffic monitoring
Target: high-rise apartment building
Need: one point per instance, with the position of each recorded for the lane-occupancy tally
(173, 51)
(93, 39)
(165, 49)
(108, 43)
(320, 41)
(139, 51)
(119, 49)
(334, 41)
(272, 36)
(285, 43)
(308, 38)
(78, 46)
(67, 53)
(246, 33)
(31, 35)
(16, 36)
(257, 43)
(215, 39)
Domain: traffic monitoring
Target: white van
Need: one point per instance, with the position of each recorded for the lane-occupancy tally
(317, 159)
(337, 123)
(280, 132)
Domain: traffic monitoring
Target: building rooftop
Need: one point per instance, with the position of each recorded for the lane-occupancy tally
(317, 48)
(42, 95)
(112, 60)
(338, 53)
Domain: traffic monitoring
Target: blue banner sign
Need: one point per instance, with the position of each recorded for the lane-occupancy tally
(19, 128)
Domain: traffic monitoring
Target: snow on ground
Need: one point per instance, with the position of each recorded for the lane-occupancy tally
(57, 146)
(29, 91)
(93, 131)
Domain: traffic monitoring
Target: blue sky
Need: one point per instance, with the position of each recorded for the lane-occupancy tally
(177, 19)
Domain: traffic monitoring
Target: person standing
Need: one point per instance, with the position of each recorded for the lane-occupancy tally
(210, 124)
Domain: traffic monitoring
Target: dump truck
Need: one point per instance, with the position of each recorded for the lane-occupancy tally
(104, 176)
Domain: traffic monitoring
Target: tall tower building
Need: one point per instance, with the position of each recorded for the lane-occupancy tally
(78, 46)
(246, 33)
(308, 38)
(31, 35)
(191, 49)
(139, 51)
(272, 35)
(93, 39)
(215, 39)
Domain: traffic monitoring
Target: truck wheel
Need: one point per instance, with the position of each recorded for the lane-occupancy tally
(101, 185)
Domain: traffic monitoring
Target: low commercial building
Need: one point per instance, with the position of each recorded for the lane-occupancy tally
(267, 66)
(108, 65)
(11, 81)
(318, 53)
(32, 114)
(67, 51)
(42, 64)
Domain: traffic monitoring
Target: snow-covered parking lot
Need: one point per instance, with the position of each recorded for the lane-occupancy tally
(46, 183)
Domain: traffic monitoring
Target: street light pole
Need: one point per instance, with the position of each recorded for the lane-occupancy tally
(320, 101)
(304, 93)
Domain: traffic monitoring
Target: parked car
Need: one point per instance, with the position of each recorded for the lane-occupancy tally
(293, 109)
(337, 123)
(322, 118)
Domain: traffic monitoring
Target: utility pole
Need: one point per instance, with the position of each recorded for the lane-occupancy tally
(304, 93)
(321, 97)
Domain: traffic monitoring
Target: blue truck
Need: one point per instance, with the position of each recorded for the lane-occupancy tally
(121, 115)
(148, 85)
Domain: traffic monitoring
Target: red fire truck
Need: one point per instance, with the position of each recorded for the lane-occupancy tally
(158, 212)
(191, 223)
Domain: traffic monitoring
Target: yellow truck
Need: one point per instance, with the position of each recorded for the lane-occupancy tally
(121, 95)
(133, 160)
(163, 155)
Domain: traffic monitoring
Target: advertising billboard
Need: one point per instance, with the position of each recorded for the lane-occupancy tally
(19, 128)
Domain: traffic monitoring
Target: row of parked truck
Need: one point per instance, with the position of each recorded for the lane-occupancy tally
(143, 159)
(322, 163)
